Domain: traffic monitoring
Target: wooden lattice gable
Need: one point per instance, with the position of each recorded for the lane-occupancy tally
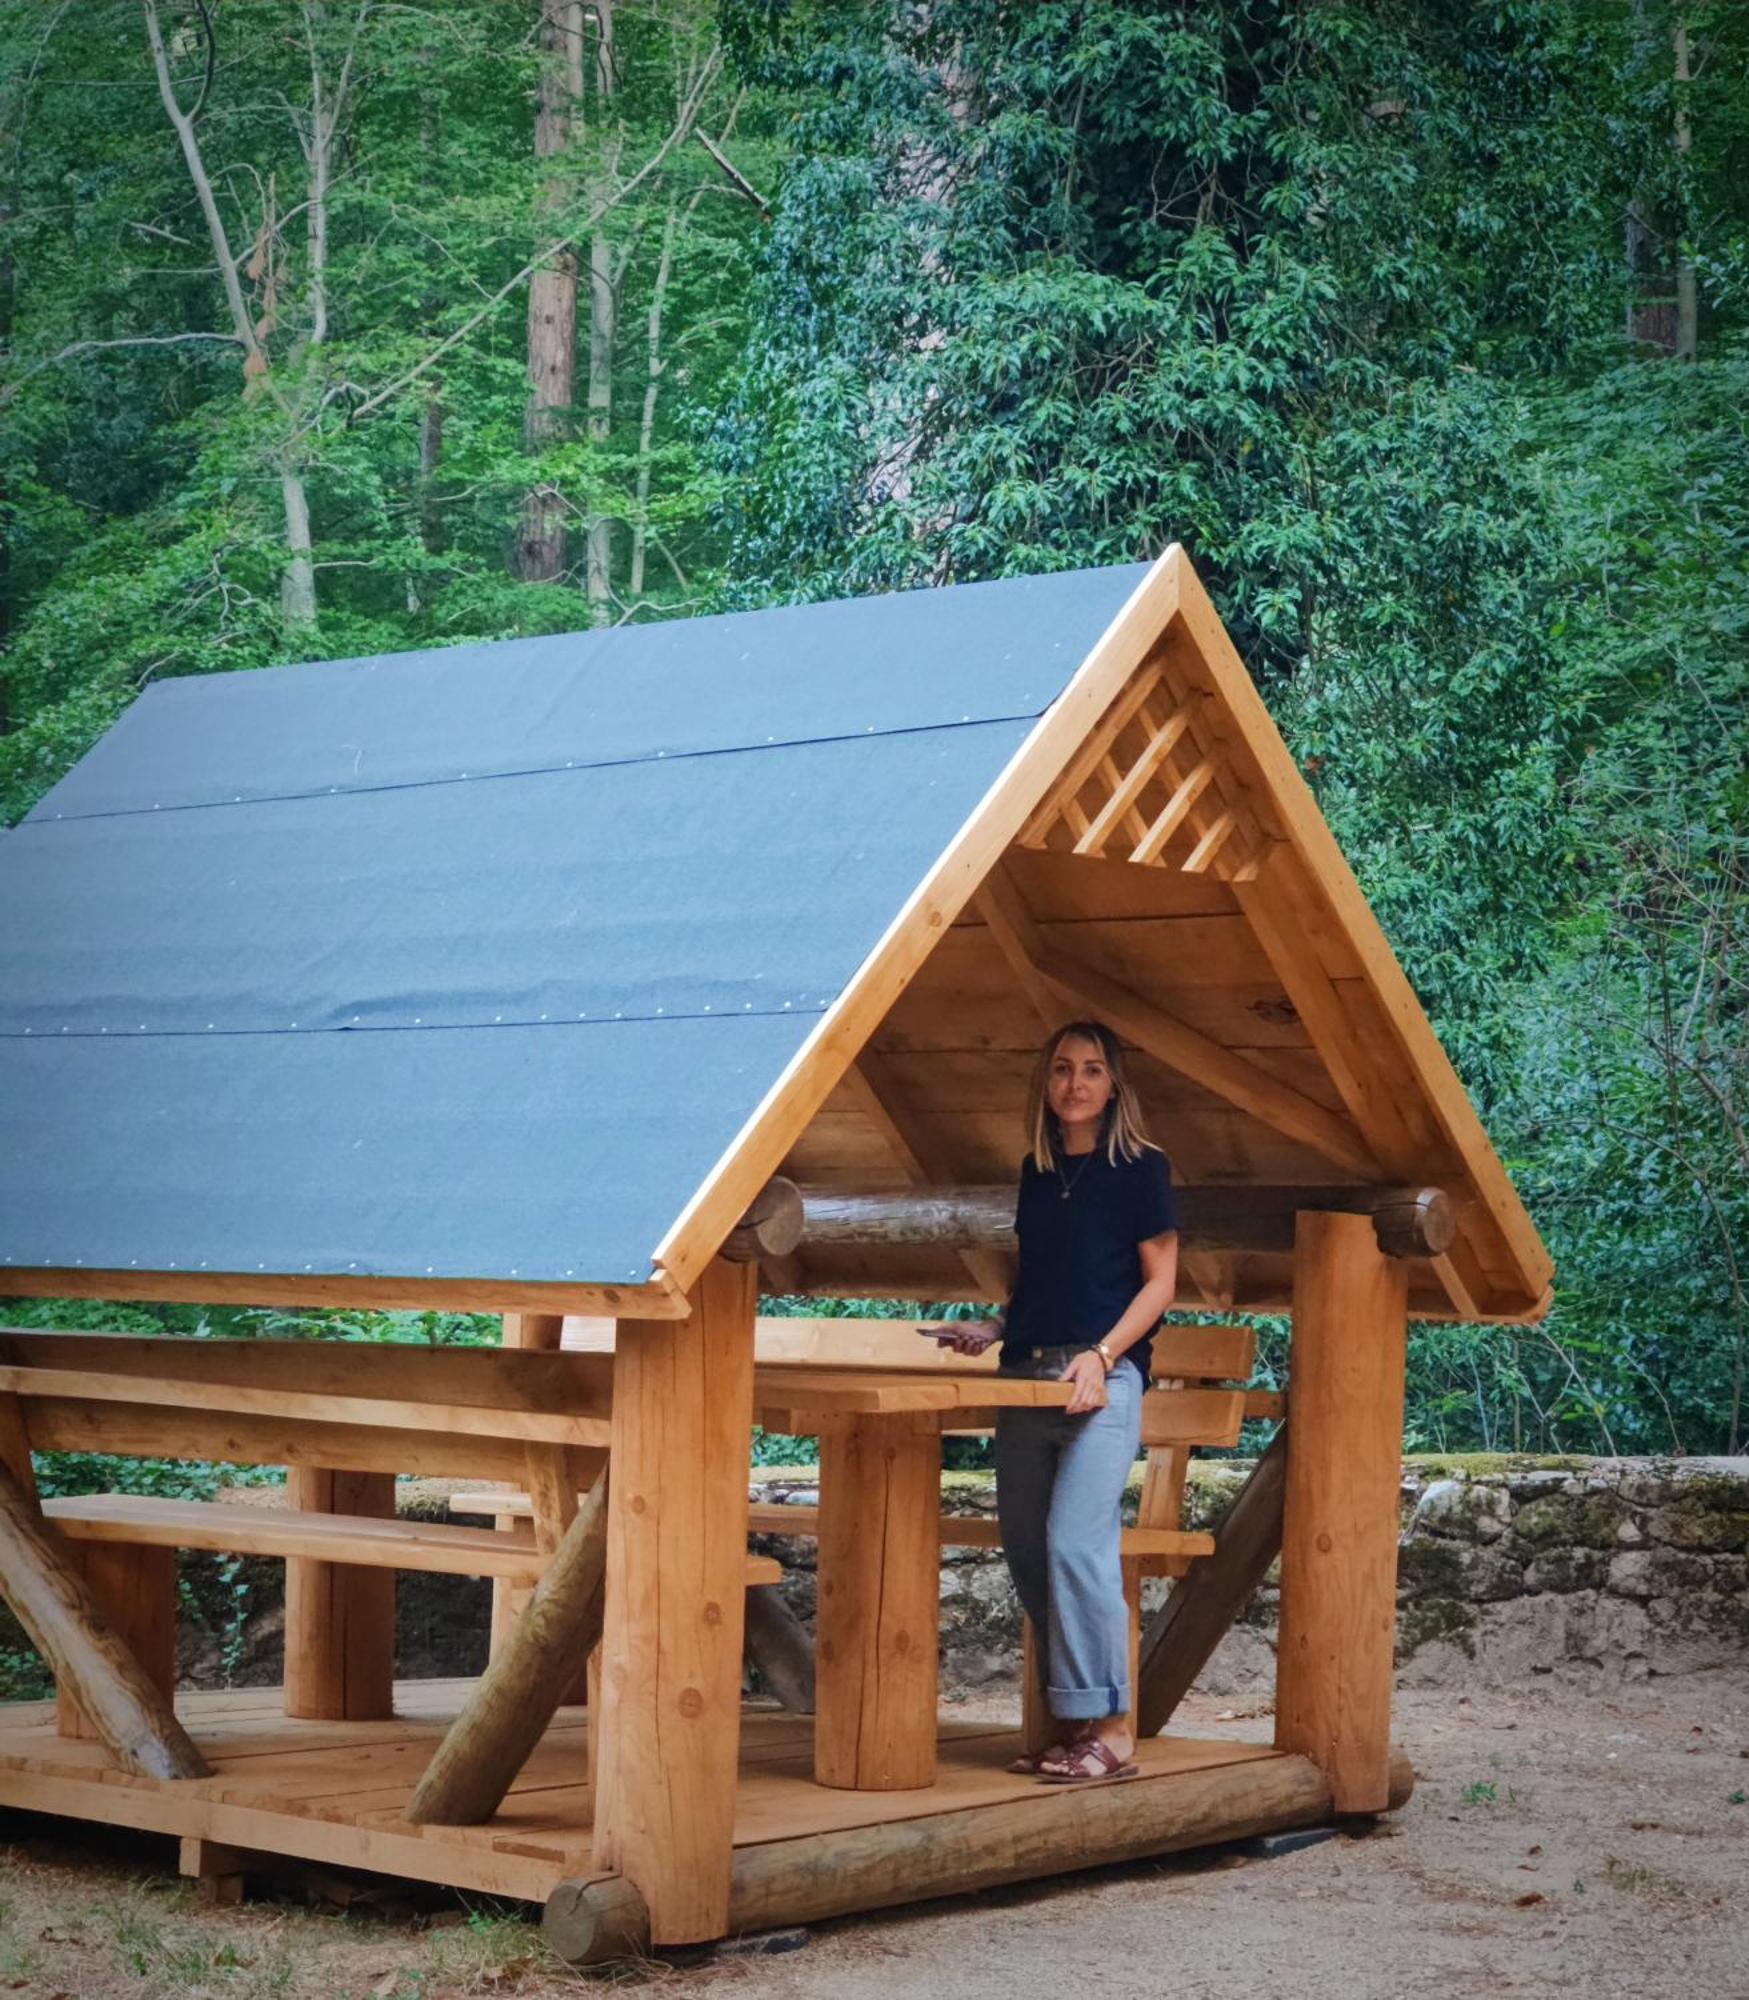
(1151, 856)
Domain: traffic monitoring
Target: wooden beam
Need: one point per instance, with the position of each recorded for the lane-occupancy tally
(1088, 758)
(1173, 813)
(1204, 1605)
(879, 1591)
(1173, 1042)
(517, 1696)
(657, 1299)
(339, 1617)
(1201, 857)
(51, 1600)
(668, 1734)
(972, 1848)
(1207, 1062)
(1340, 1508)
(920, 1159)
(1136, 781)
(1408, 1221)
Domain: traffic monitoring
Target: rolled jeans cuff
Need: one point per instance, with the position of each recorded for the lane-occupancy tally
(1089, 1704)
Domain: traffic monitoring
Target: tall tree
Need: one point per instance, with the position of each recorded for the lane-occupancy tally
(552, 290)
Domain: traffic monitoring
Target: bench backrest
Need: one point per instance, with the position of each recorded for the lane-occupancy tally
(467, 1412)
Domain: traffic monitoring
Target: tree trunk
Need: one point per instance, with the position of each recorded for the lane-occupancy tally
(603, 325)
(552, 290)
(652, 383)
(1687, 292)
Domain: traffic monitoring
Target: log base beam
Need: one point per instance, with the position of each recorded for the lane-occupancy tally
(779, 1883)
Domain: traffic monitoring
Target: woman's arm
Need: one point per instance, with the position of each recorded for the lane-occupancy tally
(1159, 1255)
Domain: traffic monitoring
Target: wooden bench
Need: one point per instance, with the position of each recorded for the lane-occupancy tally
(345, 1418)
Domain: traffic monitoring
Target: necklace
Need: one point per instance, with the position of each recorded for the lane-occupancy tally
(1069, 1182)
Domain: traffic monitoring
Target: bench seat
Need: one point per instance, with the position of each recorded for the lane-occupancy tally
(429, 1546)
(963, 1531)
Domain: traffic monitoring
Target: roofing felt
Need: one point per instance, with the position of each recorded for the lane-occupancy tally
(472, 963)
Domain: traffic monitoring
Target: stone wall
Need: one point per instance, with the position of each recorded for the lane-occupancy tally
(1596, 1568)
(1612, 1569)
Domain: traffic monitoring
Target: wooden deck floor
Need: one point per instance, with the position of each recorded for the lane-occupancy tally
(334, 1792)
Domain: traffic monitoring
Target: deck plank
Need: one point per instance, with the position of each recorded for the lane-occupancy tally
(335, 1792)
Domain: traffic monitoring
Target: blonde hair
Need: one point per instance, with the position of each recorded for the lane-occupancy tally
(1123, 1129)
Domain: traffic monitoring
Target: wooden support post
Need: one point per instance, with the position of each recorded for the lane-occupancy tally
(879, 1616)
(1204, 1603)
(1039, 1729)
(525, 1680)
(668, 1733)
(1340, 1513)
(217, 1870)
(135, 1588)
(66, 1624)
(777, 1645)
(339, 1617)
(1132, 1597)
(543, 1331)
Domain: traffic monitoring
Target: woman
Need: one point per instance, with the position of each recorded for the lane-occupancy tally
(1098, 1267)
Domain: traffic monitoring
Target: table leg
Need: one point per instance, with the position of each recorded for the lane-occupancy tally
(877, 1635)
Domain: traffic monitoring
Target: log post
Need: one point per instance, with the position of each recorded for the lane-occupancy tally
(544, 1331)
(50, 1599)
(525, 1680)
(134, 1585)
(875, 1633)
(1340, 1507)
(339, 1617)
(667, 1738)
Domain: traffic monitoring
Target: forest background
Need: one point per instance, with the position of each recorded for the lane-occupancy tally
(337, 327)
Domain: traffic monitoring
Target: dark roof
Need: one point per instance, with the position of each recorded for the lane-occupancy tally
(471, 963)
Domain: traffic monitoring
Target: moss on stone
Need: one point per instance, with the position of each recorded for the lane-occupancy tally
(1424, 1619)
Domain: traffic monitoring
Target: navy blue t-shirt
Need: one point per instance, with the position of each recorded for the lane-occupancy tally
(1079, 1227)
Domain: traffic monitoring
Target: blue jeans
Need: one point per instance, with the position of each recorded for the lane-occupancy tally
(1059, 1489)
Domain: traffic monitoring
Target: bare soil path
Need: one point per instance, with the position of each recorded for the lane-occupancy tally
(1561, 1842)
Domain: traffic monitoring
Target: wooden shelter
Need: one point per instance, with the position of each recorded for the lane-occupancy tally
(535, 979)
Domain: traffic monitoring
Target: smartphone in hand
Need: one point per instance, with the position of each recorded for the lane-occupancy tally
(964, 1337)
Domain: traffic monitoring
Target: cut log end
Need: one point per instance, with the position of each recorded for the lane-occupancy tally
(772, 1226)
(587, 1922)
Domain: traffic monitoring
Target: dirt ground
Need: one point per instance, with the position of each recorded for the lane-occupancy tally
(1560, 1842)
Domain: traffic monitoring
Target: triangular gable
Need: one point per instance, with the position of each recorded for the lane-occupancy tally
(1219, 930)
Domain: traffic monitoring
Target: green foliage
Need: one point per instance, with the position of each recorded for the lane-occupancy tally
(1336, 296)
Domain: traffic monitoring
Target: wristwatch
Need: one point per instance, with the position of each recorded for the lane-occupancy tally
(1105, 1354)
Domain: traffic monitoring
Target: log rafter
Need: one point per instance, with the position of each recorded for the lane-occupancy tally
(1181, 1047)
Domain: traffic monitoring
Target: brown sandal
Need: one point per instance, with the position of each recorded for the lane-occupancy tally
(1032, 1765)
(1091, 1761)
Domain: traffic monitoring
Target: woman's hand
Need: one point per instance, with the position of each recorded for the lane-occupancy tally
(964, 1336)
(1087, 1372)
